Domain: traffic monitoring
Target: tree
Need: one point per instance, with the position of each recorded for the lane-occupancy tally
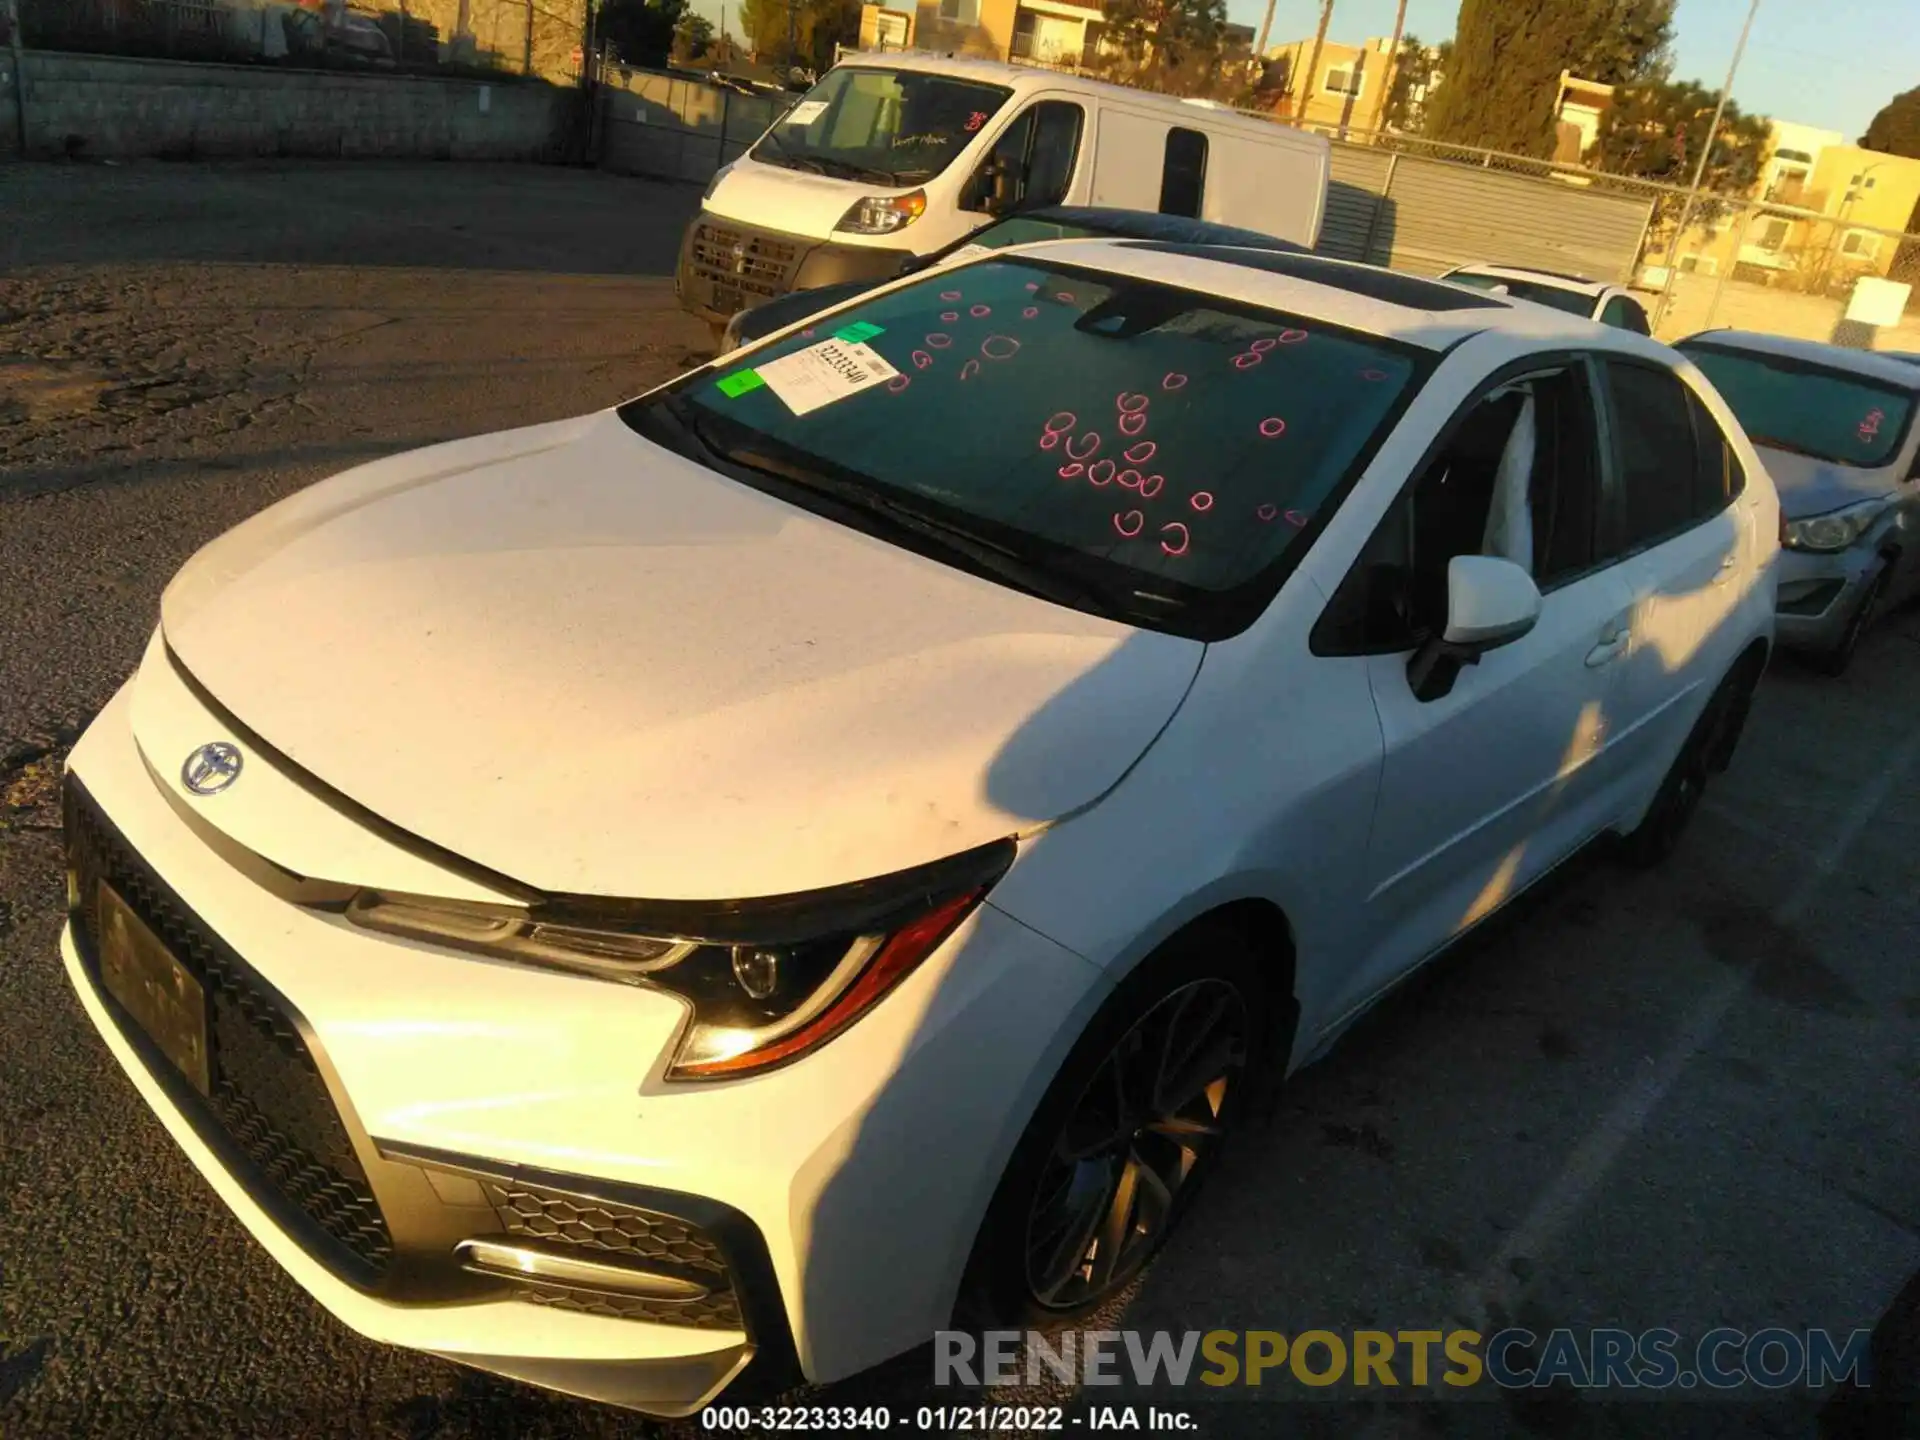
(1896, 131)
(692, 36)
(1626, 41)
(641, 32)
(1655, 129)
(1408, 96)
(1503, 78)
(816, 26)
(1157, 42)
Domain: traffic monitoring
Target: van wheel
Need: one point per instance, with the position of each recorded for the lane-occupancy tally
(1130, 1127)
(1708, 750)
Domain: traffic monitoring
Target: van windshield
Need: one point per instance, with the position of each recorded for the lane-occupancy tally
(890, 127)
(1157, 455)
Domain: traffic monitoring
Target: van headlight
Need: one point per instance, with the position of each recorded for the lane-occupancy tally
(1835, 530)
(884, 214)
(766, 981)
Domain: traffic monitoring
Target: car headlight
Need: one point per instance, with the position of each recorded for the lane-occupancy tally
(1835, 530)
(766, 981)
(884, 214)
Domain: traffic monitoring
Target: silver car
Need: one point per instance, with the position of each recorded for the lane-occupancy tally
(1836, 431)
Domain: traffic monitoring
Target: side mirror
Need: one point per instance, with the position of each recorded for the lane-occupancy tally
(1490, 603)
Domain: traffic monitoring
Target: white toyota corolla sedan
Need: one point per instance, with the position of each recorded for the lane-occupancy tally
(712, 890)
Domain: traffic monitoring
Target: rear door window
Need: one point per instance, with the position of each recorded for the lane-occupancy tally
(1655, 464)
(1719, 478)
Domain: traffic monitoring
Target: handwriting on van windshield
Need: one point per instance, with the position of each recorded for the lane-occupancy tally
(902, 142)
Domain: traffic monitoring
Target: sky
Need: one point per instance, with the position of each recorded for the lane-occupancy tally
(1827, 63)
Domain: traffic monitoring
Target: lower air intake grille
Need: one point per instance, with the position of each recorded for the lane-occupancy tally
(268, 1103)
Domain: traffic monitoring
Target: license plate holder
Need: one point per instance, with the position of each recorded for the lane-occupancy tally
(163, 997)
(726, 300)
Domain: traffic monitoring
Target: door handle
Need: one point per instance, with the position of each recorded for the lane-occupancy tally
(1613, 644)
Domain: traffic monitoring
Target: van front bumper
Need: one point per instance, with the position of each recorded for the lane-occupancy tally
(726, 267)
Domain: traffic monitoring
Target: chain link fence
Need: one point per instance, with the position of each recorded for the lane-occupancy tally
(1717, 260)
(488, 39)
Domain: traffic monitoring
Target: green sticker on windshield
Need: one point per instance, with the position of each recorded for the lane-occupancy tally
(739, 383)
(859, 332)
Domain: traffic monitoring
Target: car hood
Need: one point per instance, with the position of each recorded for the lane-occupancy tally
(806, 204)
(597, 667)
(1810, 486)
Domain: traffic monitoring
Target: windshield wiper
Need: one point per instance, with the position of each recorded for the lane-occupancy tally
(1002, 561)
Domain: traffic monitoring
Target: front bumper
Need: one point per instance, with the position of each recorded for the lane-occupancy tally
(1819, 593)
(390, 1100)
(726, 266)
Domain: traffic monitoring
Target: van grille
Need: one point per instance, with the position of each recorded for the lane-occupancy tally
(746, 260)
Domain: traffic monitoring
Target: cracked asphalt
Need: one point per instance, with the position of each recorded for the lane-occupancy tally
(1688, 1099)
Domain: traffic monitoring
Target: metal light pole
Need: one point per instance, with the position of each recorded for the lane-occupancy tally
(1700, 168)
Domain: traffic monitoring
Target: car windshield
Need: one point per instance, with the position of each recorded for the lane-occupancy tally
(891, 127)
(1140, 451)
(1807, 408)
(1574, 302)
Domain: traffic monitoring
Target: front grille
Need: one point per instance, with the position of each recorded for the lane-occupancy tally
(764, 266)
(283, 1135)
(621, 1232)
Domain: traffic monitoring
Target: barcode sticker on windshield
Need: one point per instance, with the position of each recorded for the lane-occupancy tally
(805, 113)
(821, 374)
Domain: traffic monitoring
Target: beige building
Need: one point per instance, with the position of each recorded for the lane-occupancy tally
(1856, 193)
(1348, 89)
(1052, 32)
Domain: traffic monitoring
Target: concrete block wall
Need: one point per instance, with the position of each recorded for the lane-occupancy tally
(116, 105)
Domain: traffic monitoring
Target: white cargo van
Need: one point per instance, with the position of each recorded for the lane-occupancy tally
(892, 156)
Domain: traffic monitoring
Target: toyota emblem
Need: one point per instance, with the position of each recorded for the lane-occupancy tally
(211, 768)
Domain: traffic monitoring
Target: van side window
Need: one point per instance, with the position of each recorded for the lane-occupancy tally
(1032, 162)
(1183, 177)
(1056, 146)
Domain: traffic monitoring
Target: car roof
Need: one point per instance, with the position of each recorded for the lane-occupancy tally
(1894, 369)
(1554, 278)
(1414, 311)
(1152, 225)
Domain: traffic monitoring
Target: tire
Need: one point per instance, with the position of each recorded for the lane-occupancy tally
(1708, 750)
(1835, 662)
(1107, 1167)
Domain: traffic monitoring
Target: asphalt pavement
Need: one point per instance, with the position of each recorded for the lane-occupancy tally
(1687, 1099)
